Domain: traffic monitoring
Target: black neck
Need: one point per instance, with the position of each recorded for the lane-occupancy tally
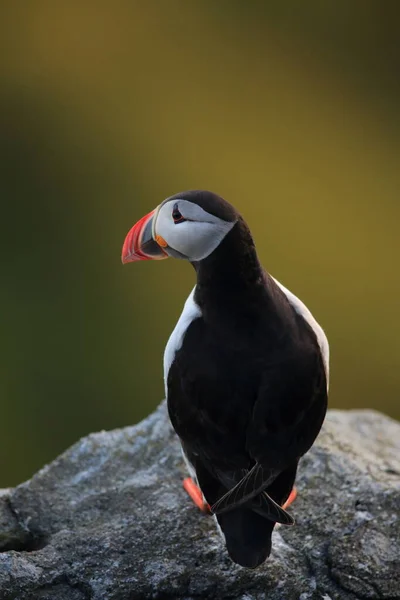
(232, 275)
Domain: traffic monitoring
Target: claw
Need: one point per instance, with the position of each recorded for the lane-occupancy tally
(196, 495)
(292, 498)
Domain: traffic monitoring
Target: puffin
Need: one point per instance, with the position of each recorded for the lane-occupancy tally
(246, 370)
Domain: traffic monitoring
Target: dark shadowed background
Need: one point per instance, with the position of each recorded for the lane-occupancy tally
(289, 110)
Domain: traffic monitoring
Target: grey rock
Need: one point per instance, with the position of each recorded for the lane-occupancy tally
(109, 520)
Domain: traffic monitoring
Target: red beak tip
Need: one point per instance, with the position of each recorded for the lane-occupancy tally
(135, 248)
(127, 258)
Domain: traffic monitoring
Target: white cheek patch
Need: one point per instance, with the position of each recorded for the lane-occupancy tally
(195, 238)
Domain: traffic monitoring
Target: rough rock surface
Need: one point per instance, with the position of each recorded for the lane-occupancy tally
(108, 520)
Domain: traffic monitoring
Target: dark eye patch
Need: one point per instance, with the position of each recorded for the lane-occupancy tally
(177, 215)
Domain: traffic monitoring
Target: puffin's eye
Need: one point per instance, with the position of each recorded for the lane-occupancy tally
(177, 215)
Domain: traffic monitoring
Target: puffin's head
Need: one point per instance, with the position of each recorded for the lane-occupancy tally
(188, 225)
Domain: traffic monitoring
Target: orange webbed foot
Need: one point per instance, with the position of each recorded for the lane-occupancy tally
(291, 499)
(196, 495)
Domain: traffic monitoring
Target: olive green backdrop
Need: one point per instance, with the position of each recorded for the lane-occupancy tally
(290, 112)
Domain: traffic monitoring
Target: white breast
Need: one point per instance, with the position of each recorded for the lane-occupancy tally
(302, 310)
(190, 312)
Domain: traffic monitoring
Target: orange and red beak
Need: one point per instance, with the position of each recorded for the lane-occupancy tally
(141, 243)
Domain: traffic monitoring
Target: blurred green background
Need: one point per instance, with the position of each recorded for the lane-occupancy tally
(289, 110)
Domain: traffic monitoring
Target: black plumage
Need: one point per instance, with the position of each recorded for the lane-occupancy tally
(247, 390)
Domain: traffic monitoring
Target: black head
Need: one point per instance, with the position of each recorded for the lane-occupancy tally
(188, 225)
(209, 202)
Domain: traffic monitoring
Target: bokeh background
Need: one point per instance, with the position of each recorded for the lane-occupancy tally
(290, 110)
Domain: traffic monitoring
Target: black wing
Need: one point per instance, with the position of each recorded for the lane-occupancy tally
(289, 413)
(287, 418)
(251, 487)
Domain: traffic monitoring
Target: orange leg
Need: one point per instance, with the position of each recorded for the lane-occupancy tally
(195, 493)
(292, 498)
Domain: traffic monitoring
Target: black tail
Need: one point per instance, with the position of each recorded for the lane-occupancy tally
(248, 528)
(247, 535)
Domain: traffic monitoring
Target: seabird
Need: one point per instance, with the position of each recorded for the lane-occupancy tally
(246, 370)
